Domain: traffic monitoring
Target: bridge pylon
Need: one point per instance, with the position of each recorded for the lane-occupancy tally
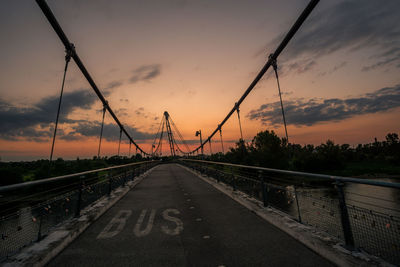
(169, 133)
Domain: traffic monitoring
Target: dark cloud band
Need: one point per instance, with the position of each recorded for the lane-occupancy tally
(145, 73)
(300, 112)
(346, 25)
(36, 123)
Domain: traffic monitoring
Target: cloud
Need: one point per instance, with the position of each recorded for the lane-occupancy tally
(300, 112)
(301, 67)
(141, 112)
(112, 85)
(347, 25)
(121, 112)
(110, 132)
(145, 73)
(284, 94)
(37, 123)
(382, 63)
(335, 68)
(33, 123)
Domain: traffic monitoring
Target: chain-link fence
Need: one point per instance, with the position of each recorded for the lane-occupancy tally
(323, 202)
(29, 217)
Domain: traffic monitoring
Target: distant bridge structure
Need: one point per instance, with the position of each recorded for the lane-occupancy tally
(72, 53)
(180, 211)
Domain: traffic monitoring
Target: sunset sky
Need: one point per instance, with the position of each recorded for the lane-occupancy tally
(340, 75)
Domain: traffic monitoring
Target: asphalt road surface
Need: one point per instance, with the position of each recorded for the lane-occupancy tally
(173, 218)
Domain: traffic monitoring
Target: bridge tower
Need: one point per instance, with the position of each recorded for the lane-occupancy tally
(169, 133)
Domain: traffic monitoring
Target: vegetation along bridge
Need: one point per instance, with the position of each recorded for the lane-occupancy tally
(189, 209)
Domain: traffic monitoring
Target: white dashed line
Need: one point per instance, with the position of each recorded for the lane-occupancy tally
(206, 237)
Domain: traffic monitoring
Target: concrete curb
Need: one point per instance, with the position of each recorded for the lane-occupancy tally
(321, 243)
(40, 253)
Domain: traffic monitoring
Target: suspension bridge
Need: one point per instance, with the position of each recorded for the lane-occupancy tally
(190, 212)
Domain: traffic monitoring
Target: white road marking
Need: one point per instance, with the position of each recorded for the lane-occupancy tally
(191, 208)
(178, 222)
(149, 226)
(188, 199)
(198, 219)
(119, 220)
(206, 237)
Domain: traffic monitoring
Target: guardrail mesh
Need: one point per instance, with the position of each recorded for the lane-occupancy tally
(31, 223)
(373, 232)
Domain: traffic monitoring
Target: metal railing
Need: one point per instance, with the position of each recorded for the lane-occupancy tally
(332, 204)
(28, 211)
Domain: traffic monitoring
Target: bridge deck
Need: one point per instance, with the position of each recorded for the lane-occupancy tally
(173, 218)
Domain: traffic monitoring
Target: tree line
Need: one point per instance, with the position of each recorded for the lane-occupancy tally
(17, 172)
(268, 150)
(265, 150)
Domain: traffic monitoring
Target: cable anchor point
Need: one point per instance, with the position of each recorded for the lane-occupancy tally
(69, 52)
(273, 61)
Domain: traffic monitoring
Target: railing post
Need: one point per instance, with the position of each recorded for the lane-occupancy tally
(297, 203)
(40, 225)
(263, 188)
(109, 183)
(233, 183)
(344, 216)
(78, 203)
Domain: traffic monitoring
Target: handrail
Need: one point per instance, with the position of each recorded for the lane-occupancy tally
(62, 177)
(314, 175)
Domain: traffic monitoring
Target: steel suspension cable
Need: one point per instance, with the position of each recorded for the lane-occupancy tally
(70, 47)
(67, 59)
(119, 143)
(210, 147)
(275, 66)
(161, 149)
(183, 152)
(129, 153)
(158, 131)
(180, 150)
(240, 124)
(222, 142)
(180, 135)
(176, 144)
(296, 26)
(160, 140)
(101, 131)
